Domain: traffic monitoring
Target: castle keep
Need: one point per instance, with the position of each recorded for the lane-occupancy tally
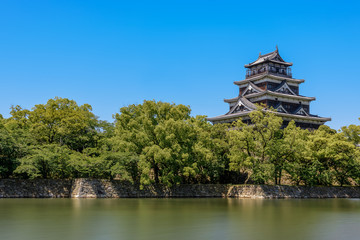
(269, 82)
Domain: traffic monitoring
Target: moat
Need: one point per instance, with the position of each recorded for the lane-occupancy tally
(205, 218)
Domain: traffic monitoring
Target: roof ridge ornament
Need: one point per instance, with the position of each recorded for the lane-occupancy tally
(277, 49)
(259, 54)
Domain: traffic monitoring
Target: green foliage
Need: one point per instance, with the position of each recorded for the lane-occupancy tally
(19, 127)
(124, 166)
(48, 161)
(59, 121)
(62, 121)
(352, 133)
(333, 158)
(320, 157)
(173, 147)
(50, 138)
(9, 152)
(157, 142)
(294, 152)
(84, 166)
(253, 147)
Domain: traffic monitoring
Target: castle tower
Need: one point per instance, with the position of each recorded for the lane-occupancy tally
(269, 82)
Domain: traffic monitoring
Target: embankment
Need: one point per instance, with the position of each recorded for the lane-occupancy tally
(98, 188)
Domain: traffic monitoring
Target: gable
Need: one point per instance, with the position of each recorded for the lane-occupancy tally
(242, 105)
(249, 90)
(301, 111)
(278, 58)
(281, 109)
(285, 89)
(239, 107)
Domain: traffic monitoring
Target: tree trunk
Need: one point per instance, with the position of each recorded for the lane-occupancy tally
(156, 174)
(280, 175)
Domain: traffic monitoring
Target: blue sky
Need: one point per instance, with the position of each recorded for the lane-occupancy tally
(114, 53)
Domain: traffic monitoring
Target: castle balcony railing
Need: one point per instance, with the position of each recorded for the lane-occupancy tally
(284, 72)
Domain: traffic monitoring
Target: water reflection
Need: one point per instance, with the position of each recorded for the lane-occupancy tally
(179, 219)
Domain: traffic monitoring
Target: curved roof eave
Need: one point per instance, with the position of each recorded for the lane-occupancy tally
(230, 100)
(259, 77)
(280, 95)
(269, 57)
(240, 114)
(267, 60)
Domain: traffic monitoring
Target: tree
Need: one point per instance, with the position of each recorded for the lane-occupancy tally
(352, 133)
(18, 126)
(48, 161)
(283, 149)
(210, 149)
(9, 151)
(328, 158)
(295, 152)
(173, 147)
(62, 121)
(124, 166)
(135, 133)
(344, 163)
(252, 146)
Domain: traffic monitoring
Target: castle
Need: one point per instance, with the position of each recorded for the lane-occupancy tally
(269, 82)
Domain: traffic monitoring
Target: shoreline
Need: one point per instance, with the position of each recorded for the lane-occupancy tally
(101, 188)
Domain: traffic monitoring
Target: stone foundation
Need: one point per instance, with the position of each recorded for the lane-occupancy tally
(98, 188)
(37, 188)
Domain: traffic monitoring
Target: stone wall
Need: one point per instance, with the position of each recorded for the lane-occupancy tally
(92, 188)
(97, 188)
(39, 188)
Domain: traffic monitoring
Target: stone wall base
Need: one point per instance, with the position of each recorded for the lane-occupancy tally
(99, 188)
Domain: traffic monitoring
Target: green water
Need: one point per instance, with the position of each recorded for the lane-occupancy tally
(179, 219)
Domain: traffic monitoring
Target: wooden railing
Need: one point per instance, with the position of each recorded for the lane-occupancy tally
(279, 72)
